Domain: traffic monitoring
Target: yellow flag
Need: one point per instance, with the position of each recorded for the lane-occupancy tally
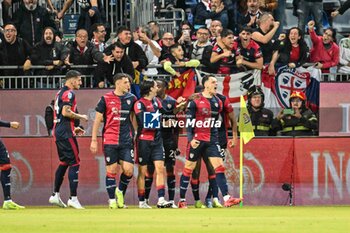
(245, 124)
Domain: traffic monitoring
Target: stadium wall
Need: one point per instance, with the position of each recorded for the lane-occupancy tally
(318, 169)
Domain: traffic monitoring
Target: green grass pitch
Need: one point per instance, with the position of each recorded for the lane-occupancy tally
(246, 219)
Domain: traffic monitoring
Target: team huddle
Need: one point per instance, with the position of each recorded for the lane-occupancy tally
(128, 139)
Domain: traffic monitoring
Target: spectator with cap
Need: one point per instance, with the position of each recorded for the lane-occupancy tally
(297, 120)
(261, 117)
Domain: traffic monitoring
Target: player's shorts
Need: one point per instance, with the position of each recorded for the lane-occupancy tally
(4, 156)
(170, 153)
(115, 153)
(207, 149)
(148, 152)
(68, 151)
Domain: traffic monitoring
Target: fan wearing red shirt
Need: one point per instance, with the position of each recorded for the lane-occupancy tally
(293, 51)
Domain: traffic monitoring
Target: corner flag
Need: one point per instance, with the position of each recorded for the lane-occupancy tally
(245, 124)
(246, 131)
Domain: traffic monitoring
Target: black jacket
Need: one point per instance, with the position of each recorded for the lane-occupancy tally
(30, 24)
(261, 121)
(107, 71)
(293, 126)
(91, 56)
(201, 14)
(14, 55)
(135, 53)
(344, 7)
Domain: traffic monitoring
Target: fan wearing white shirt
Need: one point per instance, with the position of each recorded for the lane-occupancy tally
(150, 47)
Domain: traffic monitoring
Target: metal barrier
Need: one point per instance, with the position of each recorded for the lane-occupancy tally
(168, 19)
(56, 81)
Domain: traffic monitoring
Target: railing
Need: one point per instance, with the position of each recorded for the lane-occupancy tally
(56, 81)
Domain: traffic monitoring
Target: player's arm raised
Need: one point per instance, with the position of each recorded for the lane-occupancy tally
(95, 127)
(67, 112)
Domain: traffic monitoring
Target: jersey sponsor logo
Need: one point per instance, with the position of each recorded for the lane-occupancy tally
(151, 120)
(115, 110)
(205, 111)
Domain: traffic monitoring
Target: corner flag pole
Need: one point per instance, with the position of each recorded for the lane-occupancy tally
(241, 169)
(246, 134)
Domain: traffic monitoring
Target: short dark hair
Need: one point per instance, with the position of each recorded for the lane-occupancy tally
(146, 86)
(206, 78)
(247, 29)
(154, 22)
(72, 74)
(9, 23)
(123, 28)
(226, 32)
(174, 46)
(203, 28)
(117, 44)
(119, 76)
(94, 27)
(164, 81)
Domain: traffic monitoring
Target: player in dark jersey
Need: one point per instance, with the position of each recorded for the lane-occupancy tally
(115, 110)
(5, 169)
(227, 119)
(149, 143)
(170, 136)
(65, 138)
(202, 133)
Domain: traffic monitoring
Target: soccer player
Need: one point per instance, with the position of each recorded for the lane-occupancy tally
(65, 137)
(5, 168)
(170, 136)
(203, 140)
(149, 142)
(227, 118)
(115, 110)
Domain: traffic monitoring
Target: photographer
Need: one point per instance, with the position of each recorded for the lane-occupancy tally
(297, 120)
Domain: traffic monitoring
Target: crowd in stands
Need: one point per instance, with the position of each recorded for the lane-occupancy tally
(226, 37)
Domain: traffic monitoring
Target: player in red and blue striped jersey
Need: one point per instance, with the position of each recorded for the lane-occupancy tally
(170, 136)
(203, 140)
(65, 112)
(149, 145)
(116, 110)
(5, 169)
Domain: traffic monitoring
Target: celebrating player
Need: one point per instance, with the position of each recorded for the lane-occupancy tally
(203, 140)
(149, 142)
(115, 109)
(5, 168)
(65, 136)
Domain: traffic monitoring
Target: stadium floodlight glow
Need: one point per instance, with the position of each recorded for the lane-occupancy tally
(288, 188)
